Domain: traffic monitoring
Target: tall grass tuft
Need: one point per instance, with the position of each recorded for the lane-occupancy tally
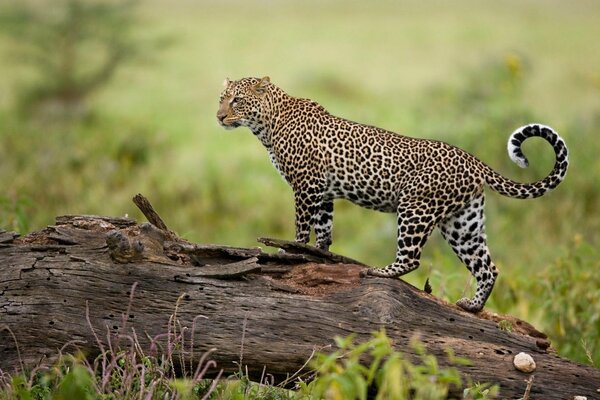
(123, 370)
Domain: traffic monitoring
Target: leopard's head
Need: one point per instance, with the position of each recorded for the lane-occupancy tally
(244, 103)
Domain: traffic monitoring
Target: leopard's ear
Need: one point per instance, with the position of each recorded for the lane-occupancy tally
(261, 86)
(226, 83)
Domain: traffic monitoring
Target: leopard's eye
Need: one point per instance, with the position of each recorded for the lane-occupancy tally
(235, 101)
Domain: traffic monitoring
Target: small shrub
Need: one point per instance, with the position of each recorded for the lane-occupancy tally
(390, 374)
(505, 325)
(573, 300)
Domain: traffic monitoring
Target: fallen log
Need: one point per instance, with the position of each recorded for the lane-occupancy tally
(267, 311)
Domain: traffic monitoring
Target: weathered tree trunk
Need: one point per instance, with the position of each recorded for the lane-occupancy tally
(268, 311)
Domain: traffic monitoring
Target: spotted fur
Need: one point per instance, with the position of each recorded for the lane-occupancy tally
(426, 183)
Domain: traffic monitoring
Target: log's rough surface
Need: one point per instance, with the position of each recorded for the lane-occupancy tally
(282, 306)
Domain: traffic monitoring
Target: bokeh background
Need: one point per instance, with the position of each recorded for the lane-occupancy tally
(102, 99)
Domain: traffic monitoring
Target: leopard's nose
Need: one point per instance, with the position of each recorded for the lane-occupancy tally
(221, 115)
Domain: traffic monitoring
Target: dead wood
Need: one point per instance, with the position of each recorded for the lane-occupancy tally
(269, 310)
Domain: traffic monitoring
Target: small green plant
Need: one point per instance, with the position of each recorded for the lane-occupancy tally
(481, 391)
(240, 387)
(573, 300)
(344, 375)
(505, 325)
(68, 379)
(14, 213)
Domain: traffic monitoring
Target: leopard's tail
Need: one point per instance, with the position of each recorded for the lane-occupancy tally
(518, 190)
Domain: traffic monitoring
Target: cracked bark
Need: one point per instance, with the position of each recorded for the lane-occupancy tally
(285, 305)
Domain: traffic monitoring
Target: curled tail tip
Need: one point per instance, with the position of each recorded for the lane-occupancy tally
(520, 134)
(521, 162)
(514, 147)
(518, 190)
(517, 156)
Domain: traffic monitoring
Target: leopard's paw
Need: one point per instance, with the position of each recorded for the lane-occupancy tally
(378, 272)
(468, 305)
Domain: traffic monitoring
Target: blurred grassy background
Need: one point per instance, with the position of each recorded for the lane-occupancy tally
(465, 72)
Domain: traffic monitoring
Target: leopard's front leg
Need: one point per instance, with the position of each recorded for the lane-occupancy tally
(323, 224)
(307, 204)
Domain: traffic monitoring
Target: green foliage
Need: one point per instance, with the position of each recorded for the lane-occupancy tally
(505, 325)
(184, 388)
(76, 383)
(572, 287)
(118, 373)
(353, 371)
(344, 375)
(240, 387)
(71, 378)
(481, 391)
(88, 160)
(72, 48)
(486, 101)
(15, 211)
(68, 379)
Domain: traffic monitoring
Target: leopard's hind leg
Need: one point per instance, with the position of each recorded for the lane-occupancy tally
(464, 230)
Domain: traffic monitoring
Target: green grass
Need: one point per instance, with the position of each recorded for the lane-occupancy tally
(464, 72)
(127, 372)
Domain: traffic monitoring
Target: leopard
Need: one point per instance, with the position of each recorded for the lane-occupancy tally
(427, 183)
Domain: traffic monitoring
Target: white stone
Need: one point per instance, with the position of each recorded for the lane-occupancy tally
(524, 362)
(579, 398)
